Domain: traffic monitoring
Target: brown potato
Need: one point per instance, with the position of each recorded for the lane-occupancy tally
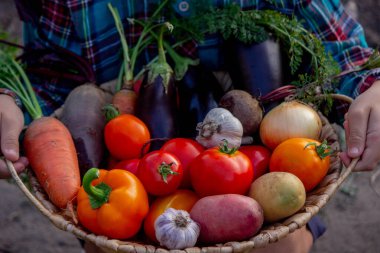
(280, 194)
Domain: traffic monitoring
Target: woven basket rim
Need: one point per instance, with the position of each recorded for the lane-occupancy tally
(315, 200)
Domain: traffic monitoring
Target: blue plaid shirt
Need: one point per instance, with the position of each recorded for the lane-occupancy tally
(86, 27)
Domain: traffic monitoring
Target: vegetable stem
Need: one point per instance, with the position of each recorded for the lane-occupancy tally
(323, 150)
(166, 169)
(146, 29)
(138, 75)
(128, 72)
(98, 194)
(181, 63)
(136, 48)
(13, 77)
(223, 147)
(161, 52)
(110, 112)
(29, 89)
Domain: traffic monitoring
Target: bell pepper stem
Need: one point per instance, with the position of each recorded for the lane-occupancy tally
(98, 194)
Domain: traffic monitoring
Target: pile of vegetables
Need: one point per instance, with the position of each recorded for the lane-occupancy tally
(219, 174)
(211, 189)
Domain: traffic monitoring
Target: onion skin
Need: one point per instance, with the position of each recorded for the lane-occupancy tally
(289, 120)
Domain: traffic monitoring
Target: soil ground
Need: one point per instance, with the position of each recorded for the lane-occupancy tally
(352, 215)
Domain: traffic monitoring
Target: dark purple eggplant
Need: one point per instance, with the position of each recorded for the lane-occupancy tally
(255, 68)
(157, 108)
(157, 99)
(199, 92)
(82, 115)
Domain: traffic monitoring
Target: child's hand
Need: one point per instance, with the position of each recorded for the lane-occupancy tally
(362, 127)
(11, 124)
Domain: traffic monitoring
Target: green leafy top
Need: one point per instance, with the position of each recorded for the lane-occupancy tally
(13, 77)
(255, 26)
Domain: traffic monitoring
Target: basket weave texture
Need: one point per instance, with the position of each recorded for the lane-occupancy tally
(268, 234)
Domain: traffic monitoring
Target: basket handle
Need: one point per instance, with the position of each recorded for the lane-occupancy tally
(345, 172)
(57, 220)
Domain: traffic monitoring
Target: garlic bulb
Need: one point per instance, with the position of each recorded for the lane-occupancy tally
(218, 125)
(176, 230)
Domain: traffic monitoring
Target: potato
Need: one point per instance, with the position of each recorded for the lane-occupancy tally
(280, 194)
(227, 217)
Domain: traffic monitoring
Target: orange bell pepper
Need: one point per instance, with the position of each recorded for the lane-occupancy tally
(180, 199)
(112, 203)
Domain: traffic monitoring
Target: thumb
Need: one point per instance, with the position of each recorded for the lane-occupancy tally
(356, 135)
(10, 140)
(10, 147)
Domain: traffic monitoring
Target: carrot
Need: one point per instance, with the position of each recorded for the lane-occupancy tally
(48, 144)
(125, 97)
(53, 158)
(125, 101)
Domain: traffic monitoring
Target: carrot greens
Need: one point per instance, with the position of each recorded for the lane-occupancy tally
(13, 77)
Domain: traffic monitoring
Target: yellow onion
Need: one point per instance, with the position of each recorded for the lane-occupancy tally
(288, 120)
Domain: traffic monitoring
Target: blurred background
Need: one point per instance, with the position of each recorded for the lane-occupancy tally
(352, 216)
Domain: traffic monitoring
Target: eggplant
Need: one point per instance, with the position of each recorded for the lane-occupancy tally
(157, 99)
(256, 68)
(157, 108)
(199, 92)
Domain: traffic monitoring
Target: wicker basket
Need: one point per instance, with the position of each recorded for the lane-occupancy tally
(314, 202)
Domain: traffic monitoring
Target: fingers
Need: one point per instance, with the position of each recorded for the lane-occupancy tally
(10, 132)
(371, 155)
(345, 158)
(10, 129)
(19, 166)
(356, 130)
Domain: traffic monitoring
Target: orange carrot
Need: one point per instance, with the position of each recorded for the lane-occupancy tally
(51, 153)
(48, 143)
(125, 101)
(125, 97)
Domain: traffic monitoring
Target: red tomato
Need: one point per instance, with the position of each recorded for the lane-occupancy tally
(259, 156)
(293, 156)
(186, 150)
(128, 165)
(220, 171)
(160, 172)
(180, 199)
(125, 135)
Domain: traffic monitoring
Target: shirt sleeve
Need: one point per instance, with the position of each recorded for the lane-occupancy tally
(343, 37)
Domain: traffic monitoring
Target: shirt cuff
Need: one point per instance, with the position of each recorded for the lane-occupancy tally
(371, 77)
(316, 226)
(11, 94)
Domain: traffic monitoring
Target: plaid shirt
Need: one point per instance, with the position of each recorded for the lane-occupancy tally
(86, 27)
